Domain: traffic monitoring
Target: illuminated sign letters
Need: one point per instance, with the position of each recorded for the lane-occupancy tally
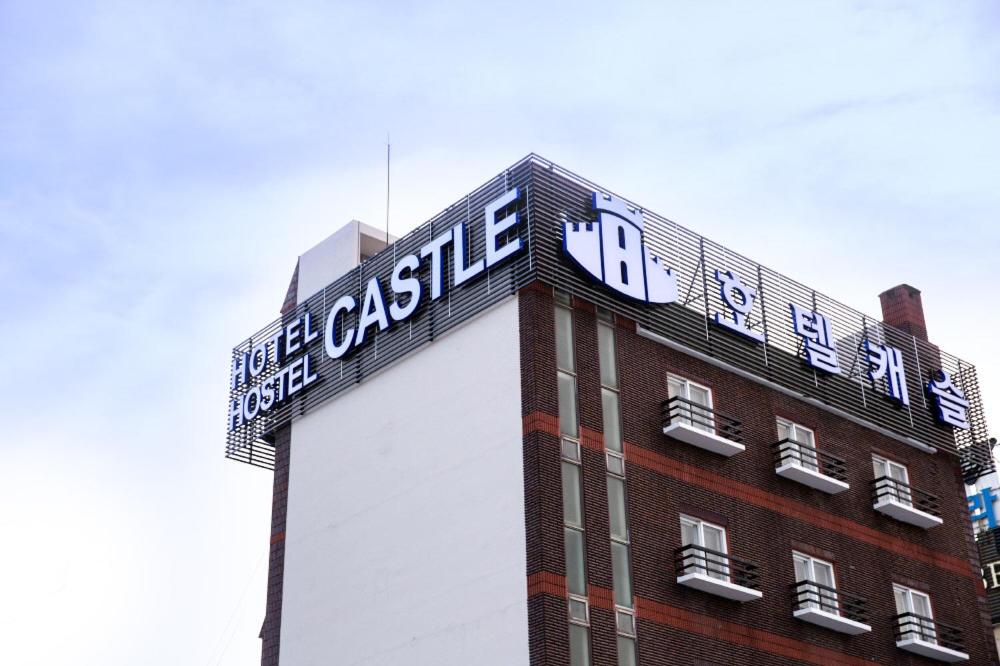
(814, 328)
(610, 250)
(952, 407)
(981, 507)
(887, 363)
(374, 314)
(739, 298)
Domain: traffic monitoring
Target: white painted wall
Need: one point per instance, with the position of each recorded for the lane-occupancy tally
(405, 536)
(332, 257)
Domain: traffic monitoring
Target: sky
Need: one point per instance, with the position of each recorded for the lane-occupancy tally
(162, 165)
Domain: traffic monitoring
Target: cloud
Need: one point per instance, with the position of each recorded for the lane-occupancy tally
(162, 165)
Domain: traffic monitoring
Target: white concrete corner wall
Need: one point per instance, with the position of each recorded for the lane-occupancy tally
(405, 541)
(328, 260)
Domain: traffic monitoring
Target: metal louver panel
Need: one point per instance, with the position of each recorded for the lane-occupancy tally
(551, 196)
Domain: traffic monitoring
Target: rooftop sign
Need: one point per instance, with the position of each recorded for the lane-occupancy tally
(610, 250)
(284, 354)
(538, 222)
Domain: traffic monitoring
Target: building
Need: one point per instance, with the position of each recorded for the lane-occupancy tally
(989, 554)
(550, 427)
(982, 498)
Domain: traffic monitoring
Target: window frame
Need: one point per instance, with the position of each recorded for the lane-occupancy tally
(570, 455)
(687, 383)
(811, 561)
(570, 373)
(793, 428)
(576, 598)
(700, 523)
(910, 592)
(903, 496)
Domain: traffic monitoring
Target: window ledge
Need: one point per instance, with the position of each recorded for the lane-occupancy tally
(906, 513)
(720, 588)
(811, 478)
(931, 650)
(832, 621)
(708, 441)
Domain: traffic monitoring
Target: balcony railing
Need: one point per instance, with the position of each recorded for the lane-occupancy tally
(716, 572)
(923, 635)
(804, 464)
(792, 452)
(830, 608)
(701, 417)
(701, 426)
(906, 503)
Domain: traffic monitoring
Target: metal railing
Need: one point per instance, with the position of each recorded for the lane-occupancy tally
(790, 451)
(697, 559)
(807, 594)
(886, 488)
(911, 625)
(699, 416)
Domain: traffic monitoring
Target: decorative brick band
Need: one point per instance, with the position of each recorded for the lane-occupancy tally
(601, 597)
(552, 584)
(544, 582)
(540, 422)
(745, 492)
(661, 464)
(738, 634)
(591, 439)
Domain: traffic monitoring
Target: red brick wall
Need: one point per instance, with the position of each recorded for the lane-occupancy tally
(766, 516)
(902, 308)
(270, 632)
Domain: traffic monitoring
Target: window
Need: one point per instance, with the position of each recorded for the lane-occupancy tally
(566, 376)
(606, 348)
(579, 645)
(821, 591)
(898, 487)
(579, 610)
(620, 553)
(626, 651)
(695, 404)
(625, 621)
(564, 340)
(567, 405)
(574, 535)
(612, 420)
(917, 618)
(801, 447)
(611, 414)
(712, 538)
(621, 569)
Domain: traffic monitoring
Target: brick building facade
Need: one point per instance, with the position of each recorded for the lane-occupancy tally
(766, 517)
(679, 496)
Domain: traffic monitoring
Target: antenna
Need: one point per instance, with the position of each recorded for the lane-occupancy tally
(388, 147)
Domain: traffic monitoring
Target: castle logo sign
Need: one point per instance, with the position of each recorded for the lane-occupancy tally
(611, 250)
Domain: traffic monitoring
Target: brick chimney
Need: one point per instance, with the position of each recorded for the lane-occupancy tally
(901, 307)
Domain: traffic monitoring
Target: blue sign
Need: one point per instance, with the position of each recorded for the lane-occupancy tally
(981, 507)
